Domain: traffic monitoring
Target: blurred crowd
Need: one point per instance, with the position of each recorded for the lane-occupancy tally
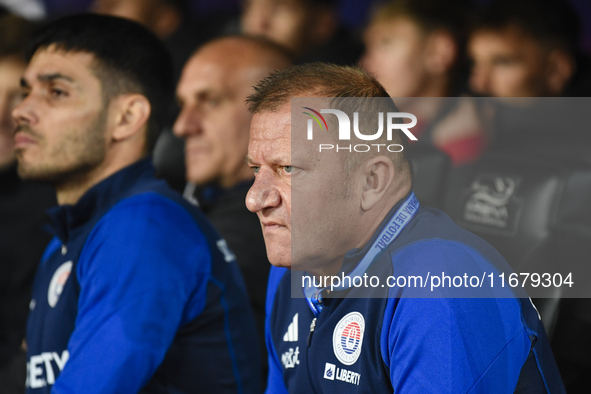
(415, 48)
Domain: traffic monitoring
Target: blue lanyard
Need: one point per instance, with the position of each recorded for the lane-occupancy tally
(391, 230)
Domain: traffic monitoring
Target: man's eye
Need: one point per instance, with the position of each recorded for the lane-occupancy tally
(505, 61)
(58, 92)
(256, 169)
(287, 169)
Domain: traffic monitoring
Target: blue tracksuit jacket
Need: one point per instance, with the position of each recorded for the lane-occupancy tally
(403, 339)
(138, 293)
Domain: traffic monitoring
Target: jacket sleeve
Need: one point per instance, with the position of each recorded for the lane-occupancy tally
(275, 384)
(452, 345)
(142, 274)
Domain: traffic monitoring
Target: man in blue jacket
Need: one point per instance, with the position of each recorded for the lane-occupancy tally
(136, 292)
(352, 248)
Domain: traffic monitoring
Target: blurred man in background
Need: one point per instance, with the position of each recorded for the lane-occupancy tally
(168, 19)
(162, 17)
(416, 48)
(15, 33)
(214, 121)
(22, 213)
(525, 48)
(310, 29)
(529, 48)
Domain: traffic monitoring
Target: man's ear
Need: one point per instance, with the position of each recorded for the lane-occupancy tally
(377, 175)
(561, 68)
(131, 114)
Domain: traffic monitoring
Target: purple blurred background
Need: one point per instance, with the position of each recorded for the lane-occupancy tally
(352, 12)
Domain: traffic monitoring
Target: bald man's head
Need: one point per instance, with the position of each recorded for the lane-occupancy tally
(248, 50)
(214, 119)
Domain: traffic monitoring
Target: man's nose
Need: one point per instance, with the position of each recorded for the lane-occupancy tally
(25, 112)
(187, 123)
(263, 193)
(480, 79)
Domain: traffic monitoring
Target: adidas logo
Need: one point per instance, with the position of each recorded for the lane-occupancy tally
(292, 331)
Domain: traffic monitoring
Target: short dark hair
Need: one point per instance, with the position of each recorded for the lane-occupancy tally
(453, 17)
(553, 23)
(128, 59)
(340, 82)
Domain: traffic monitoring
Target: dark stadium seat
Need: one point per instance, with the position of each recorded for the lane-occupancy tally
(574, 152)
(169, 160)
(511, 201)
(536, 211)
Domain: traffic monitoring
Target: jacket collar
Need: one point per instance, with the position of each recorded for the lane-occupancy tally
(97, 200)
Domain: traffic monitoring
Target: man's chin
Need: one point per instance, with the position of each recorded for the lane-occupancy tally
(48, 174)
(32, 174)
(199, 177)
(280, 259)
(287, 261)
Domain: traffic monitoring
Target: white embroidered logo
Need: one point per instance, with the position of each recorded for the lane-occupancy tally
(348, 338)
(291, 358)
(329, 371)
(292, 331)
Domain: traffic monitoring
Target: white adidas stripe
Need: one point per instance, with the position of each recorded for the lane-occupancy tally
(292, 331)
